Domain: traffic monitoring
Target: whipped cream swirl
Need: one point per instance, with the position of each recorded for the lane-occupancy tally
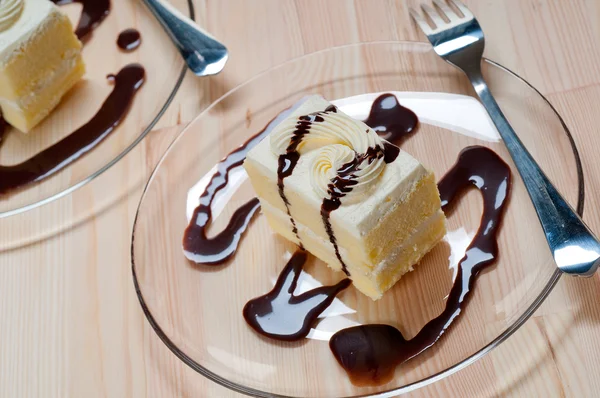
(341, 143)
(10, 11)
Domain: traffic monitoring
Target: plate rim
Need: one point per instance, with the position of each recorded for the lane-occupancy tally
(145, 131)
(509, 331)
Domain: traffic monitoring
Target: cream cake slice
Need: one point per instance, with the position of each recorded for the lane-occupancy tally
(40, 60)
(330, 184)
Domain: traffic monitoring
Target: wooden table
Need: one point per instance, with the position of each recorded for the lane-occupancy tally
(70, 321)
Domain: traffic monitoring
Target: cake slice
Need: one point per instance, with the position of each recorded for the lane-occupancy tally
(330, 184)
(40, 60)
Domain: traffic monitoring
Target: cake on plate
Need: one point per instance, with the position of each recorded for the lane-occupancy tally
(40, 60)
(330, 184)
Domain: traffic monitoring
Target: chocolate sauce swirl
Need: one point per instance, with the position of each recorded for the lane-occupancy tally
(129, 40)
(87, 137)
(390, 120)
(197, 246)
(92, 14)
(371, 353)
(280, 314)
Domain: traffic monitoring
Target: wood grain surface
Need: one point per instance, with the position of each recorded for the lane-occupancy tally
(71, 324)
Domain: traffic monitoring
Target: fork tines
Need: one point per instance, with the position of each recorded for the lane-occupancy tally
(438, 17)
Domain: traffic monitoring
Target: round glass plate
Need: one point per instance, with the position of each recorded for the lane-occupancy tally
(164, 75)
(197, 310)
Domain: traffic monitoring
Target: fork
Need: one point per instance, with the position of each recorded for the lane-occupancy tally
(460, 42)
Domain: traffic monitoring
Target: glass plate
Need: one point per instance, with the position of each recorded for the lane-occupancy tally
(197, 310)
(164, 75)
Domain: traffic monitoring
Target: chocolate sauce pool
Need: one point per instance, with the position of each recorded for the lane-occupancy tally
(280, 314)
(52, 159)
(370, 353)
(129, 40)
(390, 120)
(92, 13)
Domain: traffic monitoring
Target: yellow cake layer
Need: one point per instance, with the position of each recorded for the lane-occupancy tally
(403, 258)
(40, 105)
(399, 223)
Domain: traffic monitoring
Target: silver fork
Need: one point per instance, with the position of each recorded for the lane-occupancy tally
(460, 42)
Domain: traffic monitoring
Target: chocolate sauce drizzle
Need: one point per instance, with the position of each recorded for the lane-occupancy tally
(390, 120)
(371, 353)
(197, 246)
(129, 40)
(87, 137)
(93, 12)
(288, 161)
(280, 314)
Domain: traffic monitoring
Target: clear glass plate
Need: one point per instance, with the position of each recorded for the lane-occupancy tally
(197, 310)
(164, 75)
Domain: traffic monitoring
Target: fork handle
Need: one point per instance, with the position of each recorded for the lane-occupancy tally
(194, 43)
(574, 247)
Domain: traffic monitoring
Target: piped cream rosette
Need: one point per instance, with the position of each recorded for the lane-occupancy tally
(338, 139)
(10, 11)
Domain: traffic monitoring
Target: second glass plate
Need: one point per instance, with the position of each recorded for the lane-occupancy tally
(164, 73)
